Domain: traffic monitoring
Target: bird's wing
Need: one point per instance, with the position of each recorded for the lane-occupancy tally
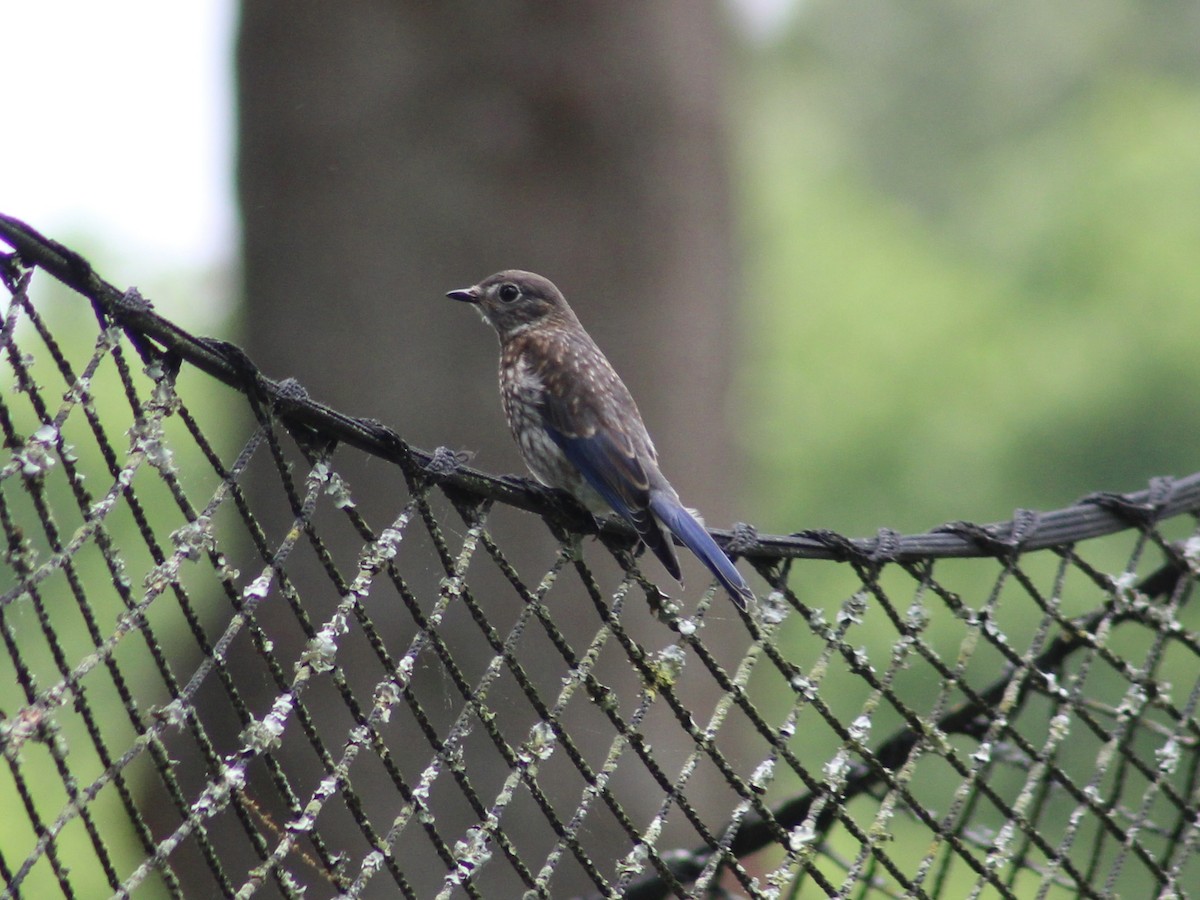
(619, 478)
(607, 444)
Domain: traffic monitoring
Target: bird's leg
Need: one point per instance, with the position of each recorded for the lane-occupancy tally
(575, 516)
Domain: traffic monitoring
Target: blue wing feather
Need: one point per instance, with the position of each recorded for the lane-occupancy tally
(588, 413)
(621, 481)
(604, 468)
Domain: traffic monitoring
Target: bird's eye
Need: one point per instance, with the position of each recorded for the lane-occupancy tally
(508, 293)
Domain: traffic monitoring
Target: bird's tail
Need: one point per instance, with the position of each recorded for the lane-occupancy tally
(684, 526)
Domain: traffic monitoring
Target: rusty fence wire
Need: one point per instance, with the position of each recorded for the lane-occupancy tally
(229, 668)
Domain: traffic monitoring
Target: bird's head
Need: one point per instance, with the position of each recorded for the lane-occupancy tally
(514, 302)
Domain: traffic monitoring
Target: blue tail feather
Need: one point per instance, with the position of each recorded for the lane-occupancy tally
(684, 526)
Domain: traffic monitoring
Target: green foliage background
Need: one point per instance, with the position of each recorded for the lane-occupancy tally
(32, 784)
(971, 239)
(972, 257)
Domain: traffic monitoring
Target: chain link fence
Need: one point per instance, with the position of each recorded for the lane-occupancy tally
(228, 668)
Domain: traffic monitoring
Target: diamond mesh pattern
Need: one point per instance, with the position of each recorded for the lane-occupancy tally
(226, 671)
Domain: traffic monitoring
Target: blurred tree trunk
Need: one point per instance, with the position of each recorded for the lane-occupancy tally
(392, 151)
(389, 152)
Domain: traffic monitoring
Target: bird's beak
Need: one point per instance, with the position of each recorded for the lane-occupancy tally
(466, 295)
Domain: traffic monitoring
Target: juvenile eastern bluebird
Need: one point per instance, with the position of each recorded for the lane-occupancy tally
(576, 424)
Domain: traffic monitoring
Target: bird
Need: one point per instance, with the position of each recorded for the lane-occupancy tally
(577, 426)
